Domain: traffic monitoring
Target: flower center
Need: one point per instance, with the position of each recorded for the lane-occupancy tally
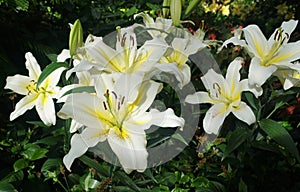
(218, 94)
(116, 113)
(31, 87)
(280, 37)
(178, 57)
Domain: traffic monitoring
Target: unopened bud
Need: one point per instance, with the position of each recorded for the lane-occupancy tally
(175, 10)
(76, 37)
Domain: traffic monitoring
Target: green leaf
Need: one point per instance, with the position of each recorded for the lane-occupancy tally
(180, 138)
(279, 134)
(192, 5)
(38, 123)
(242, 186)
(90, 183)
(250, 98)
(50, 140)
(200, 182)
(20, 164)
(22, 5)
(13, 176)
(48, 70)
(88, 89)
(126, 180)
(7, 187)
(121, 188)
(52, 57)
(266, 146)
(91, 163)
(51, 165)
(237, 137)
(149, 174)
(33, 152)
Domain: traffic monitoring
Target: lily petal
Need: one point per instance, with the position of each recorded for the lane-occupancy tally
(259, 74)
(166, 118)
(18, 83)
(245, 86)
(287, 28)
(199, 97)
(64, 55)
(32, 66)
(215, 117)
(26, 103)
(215, 83)
(257, 43)
(233, 74)
(131, 151)
(183, 75)
(74, 126)
(53, 78)
(46, 110)
(82, 107)
(244, 113)
(80, 144)
(147, 93)
(288, 53)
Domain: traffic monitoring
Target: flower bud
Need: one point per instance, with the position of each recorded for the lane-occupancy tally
(175, 10)
(76, 37)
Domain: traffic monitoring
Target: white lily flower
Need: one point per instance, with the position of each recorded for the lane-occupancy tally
(118, 114)
(41, 98)
(126, 57)
(270, 55)
(80, 57)
(159, 27)
(289, 77)
(225, 95)
(175, 62)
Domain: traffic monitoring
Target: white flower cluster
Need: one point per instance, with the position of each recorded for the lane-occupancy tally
(121, 76)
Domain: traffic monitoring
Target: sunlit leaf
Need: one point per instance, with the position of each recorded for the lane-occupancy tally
(33, 152)
(51, 165)
(20, 164)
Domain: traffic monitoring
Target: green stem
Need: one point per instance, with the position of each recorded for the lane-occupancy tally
(67, 135)
(65, 189)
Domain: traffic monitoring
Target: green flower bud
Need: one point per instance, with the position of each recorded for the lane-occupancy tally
(165, 9)
(76, 37)
(175, 10)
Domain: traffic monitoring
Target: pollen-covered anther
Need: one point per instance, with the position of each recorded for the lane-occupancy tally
(281, 35)
(123, 40)
(104, 105)
(217, 87)
(114, 94)
(132, 40)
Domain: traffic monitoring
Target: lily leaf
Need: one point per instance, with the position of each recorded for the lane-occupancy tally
(238, 137)
(192, 5)
(7, 187)
(48, 70)
(88, 89)
(279, 134)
